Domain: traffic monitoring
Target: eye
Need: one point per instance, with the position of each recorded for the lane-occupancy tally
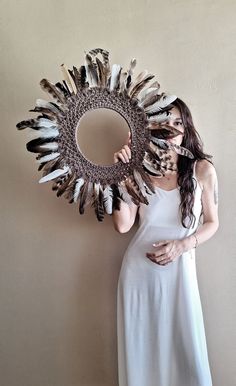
(179, 123)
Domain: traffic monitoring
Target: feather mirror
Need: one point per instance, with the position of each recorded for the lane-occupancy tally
(93, 85)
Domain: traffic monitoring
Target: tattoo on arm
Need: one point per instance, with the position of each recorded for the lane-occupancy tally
(216, 192)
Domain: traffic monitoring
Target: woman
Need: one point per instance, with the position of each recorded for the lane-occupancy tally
(160, 327)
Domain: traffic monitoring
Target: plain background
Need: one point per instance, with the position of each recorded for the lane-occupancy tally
(59, 270)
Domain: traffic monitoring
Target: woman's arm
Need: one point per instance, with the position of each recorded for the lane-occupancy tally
(207, 177)
(168, 250)
(124, 218)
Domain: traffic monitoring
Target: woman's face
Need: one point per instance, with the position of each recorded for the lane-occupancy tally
(175, 120)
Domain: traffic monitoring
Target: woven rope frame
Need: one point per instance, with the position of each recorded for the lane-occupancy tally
(95, 98)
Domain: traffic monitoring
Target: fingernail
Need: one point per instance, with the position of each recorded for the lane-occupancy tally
(155, 245)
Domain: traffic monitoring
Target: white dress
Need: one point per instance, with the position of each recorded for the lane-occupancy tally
(160, 326)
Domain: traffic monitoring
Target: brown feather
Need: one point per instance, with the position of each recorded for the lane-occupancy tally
(52, 90)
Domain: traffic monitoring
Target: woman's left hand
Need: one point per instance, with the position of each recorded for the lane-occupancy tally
(166, 251)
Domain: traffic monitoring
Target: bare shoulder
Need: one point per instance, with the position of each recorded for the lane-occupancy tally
(205, 171)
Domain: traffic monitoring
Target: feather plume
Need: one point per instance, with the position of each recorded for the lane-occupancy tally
(139, 181)
(124, 193)
(47, 133)
(98, 201)
(63, 186)
(115, 77)
(70, 82)
(107, 199)
(54, 174)
(139, 83)
(83, 196)
(147, 93)
(159, 118)
(41, 145)
(102, 72)
(48, 157)
(91, 72)
(164, 101)
(32, 123)
(147, 180)
(52, 90)
(79, 183)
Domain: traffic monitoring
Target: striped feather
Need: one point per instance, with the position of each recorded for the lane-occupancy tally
(52, 90)
(54, 174)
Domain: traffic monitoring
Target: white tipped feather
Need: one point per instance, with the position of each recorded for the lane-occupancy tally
(132, 65)
(48, 157)
(79, 184)
(158, 118)
(69, 81)
(54, 174)
(146, 92)
(115, 74)
(163, 102)
(44, 132)
(47, 132)
(47, 105)
(108, 199)
(44, 122)
(50, 146)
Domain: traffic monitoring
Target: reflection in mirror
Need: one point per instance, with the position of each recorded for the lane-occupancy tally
(100, 133)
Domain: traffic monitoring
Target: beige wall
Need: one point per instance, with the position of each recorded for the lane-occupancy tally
(59, 270)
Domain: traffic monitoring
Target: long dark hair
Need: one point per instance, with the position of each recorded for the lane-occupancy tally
(193, 142)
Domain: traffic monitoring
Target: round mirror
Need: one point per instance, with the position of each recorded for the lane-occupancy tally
(100, 133)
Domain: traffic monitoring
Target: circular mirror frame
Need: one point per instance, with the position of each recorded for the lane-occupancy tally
(96, 85)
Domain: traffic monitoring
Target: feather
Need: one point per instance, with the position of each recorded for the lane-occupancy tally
(79, 183)
(152, 98)
(39, 145)
(124, 193)
(63, 186)
(102, 72)
(52, 90)
(171, 146)
(54, 174)
(139, 181)
(115, 76)
(98, 201)
(83, 196)
(49, 166)
(135, 196)
(142, 79)
(116, 197)
(108, 199)
(130, 72)
(159, 118)
(163, 131)
(91, 72)
(47, 133)
(147, 180)
(164, 101)
(147, 93)
(77, 78)
(48, 105)
(48, 157)
(123, 77)
(63, 88)
(70, 82)
(152, 168)
(32, 123)
(181, 150)
(104, 53)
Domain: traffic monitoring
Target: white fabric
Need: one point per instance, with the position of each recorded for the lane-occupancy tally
(160, 327)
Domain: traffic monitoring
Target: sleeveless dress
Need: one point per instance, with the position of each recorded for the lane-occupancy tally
(160, 328)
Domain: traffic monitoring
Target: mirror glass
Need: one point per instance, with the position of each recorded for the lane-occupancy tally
(100, 133)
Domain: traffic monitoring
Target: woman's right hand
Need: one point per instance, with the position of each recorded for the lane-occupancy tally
(125, 153)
